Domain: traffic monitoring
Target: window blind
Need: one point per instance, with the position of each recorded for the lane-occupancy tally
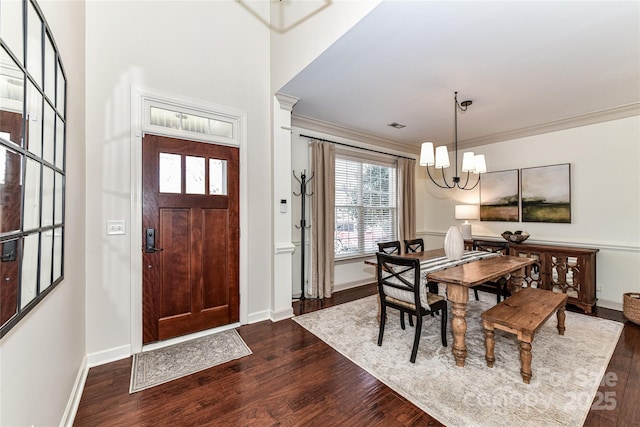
(365, 205)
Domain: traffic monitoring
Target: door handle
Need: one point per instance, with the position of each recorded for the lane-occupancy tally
(150, 241)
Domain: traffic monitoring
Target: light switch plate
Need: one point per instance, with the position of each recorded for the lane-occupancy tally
(115, 226)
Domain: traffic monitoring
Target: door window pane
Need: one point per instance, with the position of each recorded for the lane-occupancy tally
(194, 176)
(190, 122)
(217, 176)
(170, 173)
(220, 128)
(165, 118)
(193, 123)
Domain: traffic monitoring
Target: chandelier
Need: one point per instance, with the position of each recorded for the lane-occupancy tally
(471, 163)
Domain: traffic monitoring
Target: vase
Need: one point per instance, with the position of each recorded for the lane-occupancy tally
(453, 243)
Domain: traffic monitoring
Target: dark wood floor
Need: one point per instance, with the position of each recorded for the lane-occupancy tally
(294, 379)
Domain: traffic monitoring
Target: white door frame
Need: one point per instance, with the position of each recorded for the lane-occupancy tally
(140, 97)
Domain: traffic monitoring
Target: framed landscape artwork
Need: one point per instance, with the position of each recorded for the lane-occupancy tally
(499, 196)
(546, 194)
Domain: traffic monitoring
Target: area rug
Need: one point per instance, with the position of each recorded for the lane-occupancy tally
(566, 369)
(162, 365)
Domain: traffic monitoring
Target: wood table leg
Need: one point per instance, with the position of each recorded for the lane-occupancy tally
(525, 361)
(561, 315)
(516, 280)
(489, 344)
(459, 296)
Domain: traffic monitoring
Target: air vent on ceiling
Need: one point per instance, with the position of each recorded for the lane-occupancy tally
(396, 125)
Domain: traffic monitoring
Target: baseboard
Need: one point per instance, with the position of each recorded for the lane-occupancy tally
(337, 287)
(350, 285)
(109, 355)
(71, 410)
(259, 316)
(287, 313)
(613, 305)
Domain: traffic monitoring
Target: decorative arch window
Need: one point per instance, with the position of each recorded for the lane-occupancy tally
(32, 160)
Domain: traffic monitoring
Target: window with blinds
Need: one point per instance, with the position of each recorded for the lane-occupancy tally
(365, 205)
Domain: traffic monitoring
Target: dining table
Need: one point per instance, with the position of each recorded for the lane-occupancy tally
(459, 277)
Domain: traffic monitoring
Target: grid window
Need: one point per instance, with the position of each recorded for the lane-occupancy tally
(365, 206)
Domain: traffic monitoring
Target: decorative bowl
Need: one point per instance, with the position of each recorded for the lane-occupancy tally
(517, 237)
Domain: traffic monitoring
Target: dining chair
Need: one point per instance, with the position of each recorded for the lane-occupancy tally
(389, 247)
(392, 248)
(400, 287)
(413, 245)
(499, 286)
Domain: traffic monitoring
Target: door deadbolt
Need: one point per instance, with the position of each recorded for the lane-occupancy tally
(150, 241)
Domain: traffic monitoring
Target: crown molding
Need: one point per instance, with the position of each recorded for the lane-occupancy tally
(286, 101)
(621, 112)
(354, 135)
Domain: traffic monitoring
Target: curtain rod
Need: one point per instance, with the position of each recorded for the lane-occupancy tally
(358, 148)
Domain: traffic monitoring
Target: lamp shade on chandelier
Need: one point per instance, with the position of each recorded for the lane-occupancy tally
(471, 163)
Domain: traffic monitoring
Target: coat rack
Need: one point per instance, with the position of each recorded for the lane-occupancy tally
(303, 227)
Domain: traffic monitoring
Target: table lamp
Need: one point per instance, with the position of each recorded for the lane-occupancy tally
(467, 212)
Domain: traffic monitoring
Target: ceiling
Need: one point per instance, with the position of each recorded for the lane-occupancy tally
(528, 67)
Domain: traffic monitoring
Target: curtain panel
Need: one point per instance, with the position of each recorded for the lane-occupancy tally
(322, 219)
(406, 199)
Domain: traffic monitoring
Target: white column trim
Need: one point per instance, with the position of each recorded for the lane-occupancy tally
(284, 248)
(282, 260)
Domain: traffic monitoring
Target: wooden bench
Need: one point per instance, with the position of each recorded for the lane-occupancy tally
(522, 314)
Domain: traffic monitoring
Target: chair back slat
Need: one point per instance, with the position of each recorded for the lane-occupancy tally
(400, 273)
(497, 286)
(491, 246)
(413, 245)
(389, 247)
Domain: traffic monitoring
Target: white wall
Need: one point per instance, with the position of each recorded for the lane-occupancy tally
(605, 198)
(605, 201)
(41, 359)
(216, 52)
